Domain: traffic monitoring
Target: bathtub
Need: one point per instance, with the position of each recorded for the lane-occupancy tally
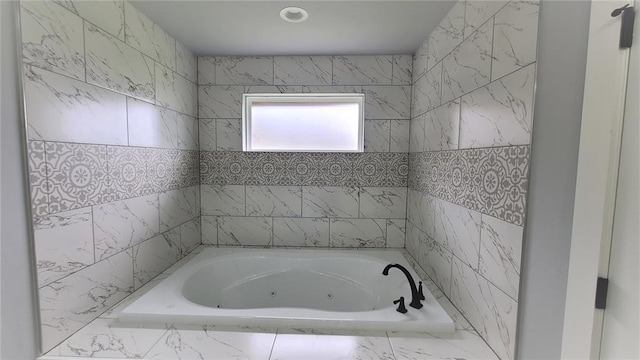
(329, 289)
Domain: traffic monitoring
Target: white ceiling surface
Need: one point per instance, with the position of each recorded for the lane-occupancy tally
(334, 27)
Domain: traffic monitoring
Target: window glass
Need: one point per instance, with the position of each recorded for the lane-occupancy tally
(303, 122)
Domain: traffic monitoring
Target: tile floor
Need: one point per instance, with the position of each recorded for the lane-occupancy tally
(105, 338)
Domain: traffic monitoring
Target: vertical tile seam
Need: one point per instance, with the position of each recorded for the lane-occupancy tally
(48, 185)
(273, 344)
(301, 201)
(480, 240)
(393, 353)
(166, 331)
(84, 48)
(126, 105)
(93, 233)
(360, 189)
(124, 22)
(271, 233)
(389, 145)
(329, 244)
(392, 70)
(333, 64)
(493, 39)
(159, 217)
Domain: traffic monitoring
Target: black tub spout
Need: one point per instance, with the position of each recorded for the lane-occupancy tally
(415, 295)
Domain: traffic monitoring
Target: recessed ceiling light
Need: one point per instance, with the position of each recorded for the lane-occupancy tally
(294, 14)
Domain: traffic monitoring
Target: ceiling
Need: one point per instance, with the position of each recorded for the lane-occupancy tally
(351, 27)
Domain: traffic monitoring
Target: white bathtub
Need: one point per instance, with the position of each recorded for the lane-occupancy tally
(289, 288)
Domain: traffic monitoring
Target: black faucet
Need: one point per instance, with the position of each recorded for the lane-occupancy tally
(415, 294)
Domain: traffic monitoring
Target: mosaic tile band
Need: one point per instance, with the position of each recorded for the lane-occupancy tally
(304, 169)
(66, 176)
(492, 181)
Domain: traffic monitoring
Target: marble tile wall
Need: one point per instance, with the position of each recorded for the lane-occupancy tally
(305, 199)
(113, 154)
(470, 131)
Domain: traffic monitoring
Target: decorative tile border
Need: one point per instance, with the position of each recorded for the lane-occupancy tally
(79, 175)
(38, 177)
(492, 181)
(310, 169)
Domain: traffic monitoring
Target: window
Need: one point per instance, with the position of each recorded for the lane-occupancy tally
(303, 122)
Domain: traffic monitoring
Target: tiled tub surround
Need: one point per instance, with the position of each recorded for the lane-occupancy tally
(471, 119)
(113, 155)
(105, 337)
(304, 199)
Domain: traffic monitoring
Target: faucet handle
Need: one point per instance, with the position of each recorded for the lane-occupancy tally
(420, 293)
(401, 308)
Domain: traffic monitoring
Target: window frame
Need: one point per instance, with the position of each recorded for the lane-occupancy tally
(248, 99)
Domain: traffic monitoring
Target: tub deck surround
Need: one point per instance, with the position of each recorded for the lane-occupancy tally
(105, 338)
(473, 94)
(292, 288)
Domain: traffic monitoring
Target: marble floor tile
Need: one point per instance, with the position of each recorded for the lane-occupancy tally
(300, 344)
(209, 343)
(105, 338)
(461, 345)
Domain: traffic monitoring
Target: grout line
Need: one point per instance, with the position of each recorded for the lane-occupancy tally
(393, 353)
(157, 341)
(389, 147)
(84, 48)
(126, 105)
(215, 70)
(47, 168)
(359, 202)
(329, 234)
(333, 58)
(493, 39)
(441, 82)
(124, 23)
(273, 345)
(301, 201)
(93, 234)
(392, 72)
